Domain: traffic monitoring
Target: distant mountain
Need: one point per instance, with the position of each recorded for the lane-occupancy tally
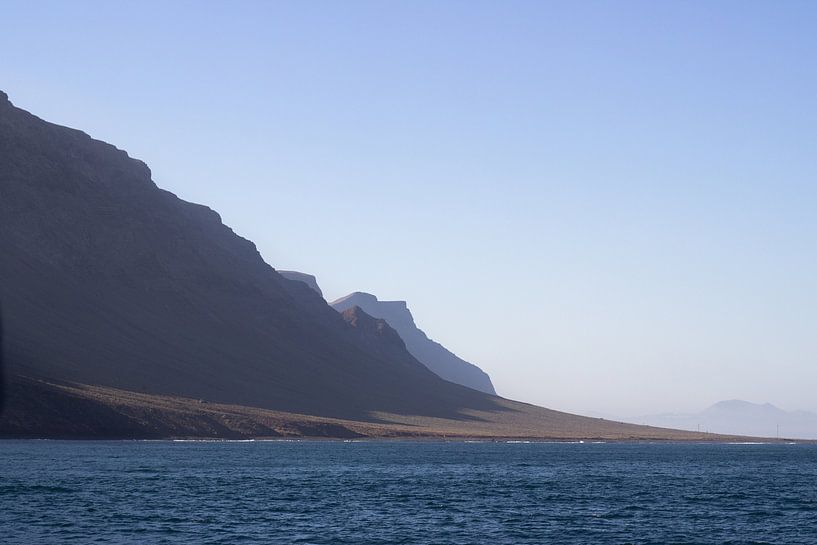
(307, 279)
(434, 355)
(739, 417)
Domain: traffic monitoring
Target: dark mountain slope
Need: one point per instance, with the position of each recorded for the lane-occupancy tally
(131, 313)
(435, 356)
(379, 337)
(107, 280)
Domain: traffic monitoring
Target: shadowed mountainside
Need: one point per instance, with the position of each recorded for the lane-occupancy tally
(435, 356)
(379, 337)
(129, 312)
(108, 280)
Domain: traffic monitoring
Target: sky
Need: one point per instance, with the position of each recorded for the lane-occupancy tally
(608, 206)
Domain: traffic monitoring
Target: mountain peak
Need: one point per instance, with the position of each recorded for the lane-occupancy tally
(740, 404)
(362, 298)
(729, 403)
(307, 279)
(358, 295)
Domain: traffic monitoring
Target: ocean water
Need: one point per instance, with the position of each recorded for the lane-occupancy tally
(325, 492)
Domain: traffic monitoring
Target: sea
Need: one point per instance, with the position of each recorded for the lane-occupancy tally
(404, 492)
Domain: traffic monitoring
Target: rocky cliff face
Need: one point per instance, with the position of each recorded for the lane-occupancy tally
(107, 280)
(433, 355)
(307, 279)
(379, 337)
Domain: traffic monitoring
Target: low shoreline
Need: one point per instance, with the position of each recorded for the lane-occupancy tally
(39, 409)
(465, 440)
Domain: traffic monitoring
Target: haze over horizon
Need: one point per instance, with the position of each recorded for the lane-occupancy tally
(605, 207)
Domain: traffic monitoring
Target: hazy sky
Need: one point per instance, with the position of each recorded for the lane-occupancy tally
(608, 206)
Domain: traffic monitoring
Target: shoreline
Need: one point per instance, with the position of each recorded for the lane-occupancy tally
(39, 409)
(418, 439)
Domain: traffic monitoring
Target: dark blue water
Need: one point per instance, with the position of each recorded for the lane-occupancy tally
(406, 492)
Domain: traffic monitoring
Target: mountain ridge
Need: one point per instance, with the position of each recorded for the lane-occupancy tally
(434, 355)
(307, 279)
(109, 280)
(131, 313)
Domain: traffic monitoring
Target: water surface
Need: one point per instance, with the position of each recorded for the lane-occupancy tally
(406, 493)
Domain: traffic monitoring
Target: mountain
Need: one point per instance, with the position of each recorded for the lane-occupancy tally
(435, 356)
(108, 280)
(379, 337)
(129, 312)
(739, 417)
(307, 279)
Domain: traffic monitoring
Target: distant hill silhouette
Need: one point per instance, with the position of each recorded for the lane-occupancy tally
(739, 417)
(434, 355)
(307, 279)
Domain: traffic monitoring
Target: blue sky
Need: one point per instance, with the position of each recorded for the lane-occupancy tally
(609, 206)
